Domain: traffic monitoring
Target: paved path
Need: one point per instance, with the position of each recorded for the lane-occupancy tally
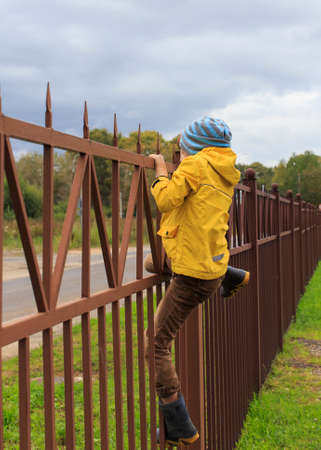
(18, 298)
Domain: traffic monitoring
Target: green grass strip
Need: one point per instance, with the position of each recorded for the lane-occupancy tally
(11, 390)
(286, 414)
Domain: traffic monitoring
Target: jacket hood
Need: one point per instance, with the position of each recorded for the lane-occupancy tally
(223, 161)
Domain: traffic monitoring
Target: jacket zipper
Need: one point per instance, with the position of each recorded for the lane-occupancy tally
(210, 185)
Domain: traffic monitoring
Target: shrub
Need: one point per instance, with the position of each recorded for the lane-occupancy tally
(32, 196)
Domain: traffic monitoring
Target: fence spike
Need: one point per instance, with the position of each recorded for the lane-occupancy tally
(85, 128)
(158, 145)
(139, 140)
(115, 137)
(289, 194)
(48, 119)
(297, 197)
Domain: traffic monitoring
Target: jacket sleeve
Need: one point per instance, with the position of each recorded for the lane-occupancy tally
(169, 194)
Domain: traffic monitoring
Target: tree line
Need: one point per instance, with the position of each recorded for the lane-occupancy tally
(301, 173)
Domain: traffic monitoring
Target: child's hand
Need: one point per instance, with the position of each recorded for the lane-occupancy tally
(160, 165)
(157, 158)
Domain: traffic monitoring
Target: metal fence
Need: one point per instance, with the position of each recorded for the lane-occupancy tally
(281, 246)
(222, 353)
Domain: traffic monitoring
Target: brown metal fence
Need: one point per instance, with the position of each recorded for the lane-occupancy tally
(224, 351)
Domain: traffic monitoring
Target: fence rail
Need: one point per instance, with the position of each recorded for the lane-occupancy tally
(224, 351)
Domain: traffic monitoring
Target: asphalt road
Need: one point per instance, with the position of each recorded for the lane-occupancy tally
(18, 298)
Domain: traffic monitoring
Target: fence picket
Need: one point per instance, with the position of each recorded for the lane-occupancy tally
(103, 378)
(278, 226)
(152, 395)
(130, 373)
(118, 376)
(69, 385)
(24, 394)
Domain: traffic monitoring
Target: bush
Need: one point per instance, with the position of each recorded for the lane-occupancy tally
(32, 196)
(33, 200)
(60, 210)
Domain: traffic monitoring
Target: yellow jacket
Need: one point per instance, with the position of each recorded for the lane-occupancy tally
(195, 205)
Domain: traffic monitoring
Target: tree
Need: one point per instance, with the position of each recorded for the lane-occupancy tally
(103, 166)
(264, 175)
(301, 174)
(64, 169)
(30, 167)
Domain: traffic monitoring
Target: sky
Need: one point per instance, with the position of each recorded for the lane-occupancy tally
(253, 63)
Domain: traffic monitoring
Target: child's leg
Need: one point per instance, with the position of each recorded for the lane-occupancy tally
(182, 296)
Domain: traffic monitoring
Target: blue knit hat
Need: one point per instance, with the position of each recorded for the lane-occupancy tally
(205, 132)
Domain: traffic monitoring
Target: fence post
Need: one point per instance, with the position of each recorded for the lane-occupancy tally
(298, 199)
(304, 242)
(294, 261)
(277, 221)
(195, 373)
(252, 220)
(315, 212)
(311, 240)
(315, 240)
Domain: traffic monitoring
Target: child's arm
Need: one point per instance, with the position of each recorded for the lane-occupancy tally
(169, 194)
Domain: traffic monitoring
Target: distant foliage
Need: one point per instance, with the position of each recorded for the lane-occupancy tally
(264, 175)
(103, 166)
(32, 196)
(301, 174)
(30, 169)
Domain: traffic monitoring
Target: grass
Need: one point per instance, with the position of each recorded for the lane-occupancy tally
(12, 239)
(286, 414)
(10, 389)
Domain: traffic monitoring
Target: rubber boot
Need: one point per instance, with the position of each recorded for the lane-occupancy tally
(234, 279)
(179, 428)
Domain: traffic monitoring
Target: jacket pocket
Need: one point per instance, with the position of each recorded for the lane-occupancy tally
(168, 231)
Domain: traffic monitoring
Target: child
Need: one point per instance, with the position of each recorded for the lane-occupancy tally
(195, 205)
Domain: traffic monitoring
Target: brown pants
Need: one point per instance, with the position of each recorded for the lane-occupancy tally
(182, 296)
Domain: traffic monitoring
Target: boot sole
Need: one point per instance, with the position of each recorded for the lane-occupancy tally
(246, 279)
(243, 283)
(183, 441)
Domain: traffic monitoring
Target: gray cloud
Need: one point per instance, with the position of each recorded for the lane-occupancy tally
(159, 63)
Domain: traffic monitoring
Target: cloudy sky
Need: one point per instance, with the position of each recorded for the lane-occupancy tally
(254, 63)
